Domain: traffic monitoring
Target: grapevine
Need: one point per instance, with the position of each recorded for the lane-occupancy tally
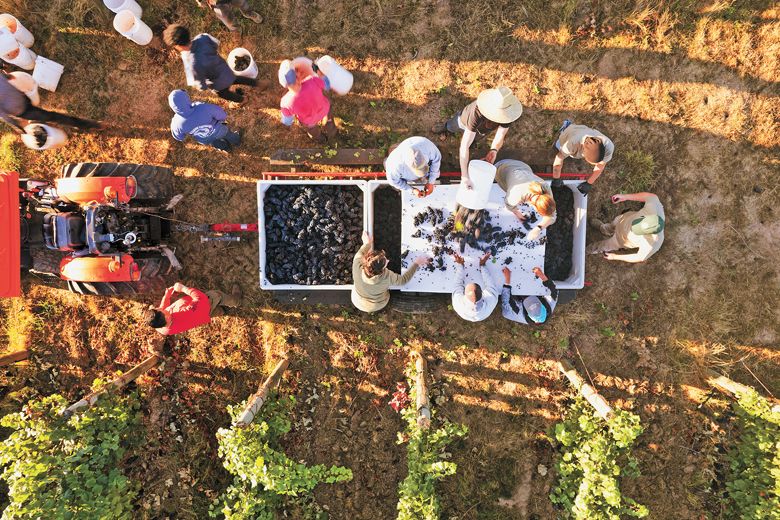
(593, 455)
(753, 482)
(264, 478)
(426, 461)
(62, 468)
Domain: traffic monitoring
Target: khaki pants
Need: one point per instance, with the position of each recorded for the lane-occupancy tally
(610, 244)
(219, 300)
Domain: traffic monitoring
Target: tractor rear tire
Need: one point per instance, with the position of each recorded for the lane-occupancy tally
(153, 271)
(155, 183)
(47, 262)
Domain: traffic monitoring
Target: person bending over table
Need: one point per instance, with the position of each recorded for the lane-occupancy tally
(521, 186)
(473, 302)
(528, 309)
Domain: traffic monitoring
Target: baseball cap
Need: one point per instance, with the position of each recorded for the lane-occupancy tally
(287, 75)
(647, 225)
(534, 308)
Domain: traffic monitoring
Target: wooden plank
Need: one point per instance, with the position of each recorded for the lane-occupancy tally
(13, 357)
(341, 156)
(121, 381)
(255, 403)
(732, 388)
(421, 389)
(602, 407)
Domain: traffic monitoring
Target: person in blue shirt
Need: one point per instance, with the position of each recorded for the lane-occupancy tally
(528, 309)
(204, 122)
(414, 165)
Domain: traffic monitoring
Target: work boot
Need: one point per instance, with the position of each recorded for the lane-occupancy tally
(254, 16)
(330, 130)
(605, 229)
(237, 294)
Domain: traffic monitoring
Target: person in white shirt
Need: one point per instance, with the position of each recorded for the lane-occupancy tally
(643, 229)
(523, 187)
(414, 165)
(473, 302)
(528, 309)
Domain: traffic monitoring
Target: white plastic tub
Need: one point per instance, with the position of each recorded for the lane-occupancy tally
(132, 27)
(18, 30)
(340, 78)
(262, 187)
(27, 84)
(249, 72)
(47, 73)
(22, 57)
(118, 6)
(55, 137)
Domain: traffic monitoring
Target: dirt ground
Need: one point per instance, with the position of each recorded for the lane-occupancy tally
(687, 90)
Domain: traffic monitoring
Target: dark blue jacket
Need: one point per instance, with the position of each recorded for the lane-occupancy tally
(200, 120)
(210, 70)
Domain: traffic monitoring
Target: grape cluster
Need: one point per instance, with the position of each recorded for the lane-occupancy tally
(312, 233)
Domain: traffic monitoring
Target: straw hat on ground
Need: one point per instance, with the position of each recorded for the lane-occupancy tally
(499, 105)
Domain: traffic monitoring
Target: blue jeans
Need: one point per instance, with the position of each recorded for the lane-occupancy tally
(224, 139)
(564, 126)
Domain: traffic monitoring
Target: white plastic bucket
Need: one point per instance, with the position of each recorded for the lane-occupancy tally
(482, 175)
(19, 31)
(25, 83)
(240, 52)
(7, 41)
(118, 6)
(47, 73)
(22, 57)
(131, 27)
(340, 78)
(54, 137)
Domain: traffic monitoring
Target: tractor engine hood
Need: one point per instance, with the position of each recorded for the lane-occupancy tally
(10, 236)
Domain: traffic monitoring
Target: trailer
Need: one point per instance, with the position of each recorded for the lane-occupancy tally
(427, 283)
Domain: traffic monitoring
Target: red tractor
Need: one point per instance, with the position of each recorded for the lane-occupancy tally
(101, 227)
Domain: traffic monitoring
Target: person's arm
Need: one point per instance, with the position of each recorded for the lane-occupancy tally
(460, 280)
(397, 181)
(558, 165)
(7, 119)
(552, 296)
(403, 279)
(498, 142)
(634, 197)
(178, 133)
(597, 170)
(548, 221)
(288, 117)
(632, 258)
(216, 112)
(487, 282)
(166, 299)
(435, 171)
(464, 154)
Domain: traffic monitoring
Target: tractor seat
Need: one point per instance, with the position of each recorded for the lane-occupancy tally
(64, 231)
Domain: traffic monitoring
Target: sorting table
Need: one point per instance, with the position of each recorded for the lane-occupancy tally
(525, 255)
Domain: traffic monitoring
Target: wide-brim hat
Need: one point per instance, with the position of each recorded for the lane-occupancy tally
(417, 162)
(499, 105)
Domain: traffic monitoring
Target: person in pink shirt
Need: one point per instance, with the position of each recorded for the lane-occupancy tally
(305, 99)
(193, 309)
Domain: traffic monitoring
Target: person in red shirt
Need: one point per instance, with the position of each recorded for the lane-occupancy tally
(192, 310)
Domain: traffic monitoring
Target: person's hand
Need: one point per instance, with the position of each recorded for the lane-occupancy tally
(422, 260)
(428, 189)
(178, 287)
(458, 259)
(618, 198)
(584, 187)
(534, 233)
(491, 156)
(609, 256)
(519, 215)
(467, 182)
(539, 273)
(557, 183)
(418, 193)
(507, 275)
(484, 259)
(366, 237)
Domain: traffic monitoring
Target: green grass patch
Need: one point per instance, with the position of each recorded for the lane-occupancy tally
(636, 172)
(9, 157)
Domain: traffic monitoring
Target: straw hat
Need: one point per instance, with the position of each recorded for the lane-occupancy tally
(416, 161)
(499, 105)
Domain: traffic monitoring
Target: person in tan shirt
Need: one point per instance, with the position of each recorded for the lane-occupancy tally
(643, 230)
(523, 187)
(372, 279)
(582, 142)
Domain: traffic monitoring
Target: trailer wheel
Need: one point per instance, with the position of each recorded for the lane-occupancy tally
(416, 303)
(155, 183)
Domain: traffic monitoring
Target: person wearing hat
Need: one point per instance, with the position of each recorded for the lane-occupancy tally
(204, 122)
(523, 187)
(414, 165)
(581, 142)
(643, 229)
(528, 309)
(473, 302)
(305, 99)
(224, 11)
(372, 279)
(494, 109)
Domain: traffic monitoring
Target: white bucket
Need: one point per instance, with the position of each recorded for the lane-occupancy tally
(54, 137)
(22, 57)
(25, 83)
(18, 30)
(340, 78)
(7, 41)
(118, 6)
(47, 73)
(131, 27)
(482, 175)
(239, 52)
